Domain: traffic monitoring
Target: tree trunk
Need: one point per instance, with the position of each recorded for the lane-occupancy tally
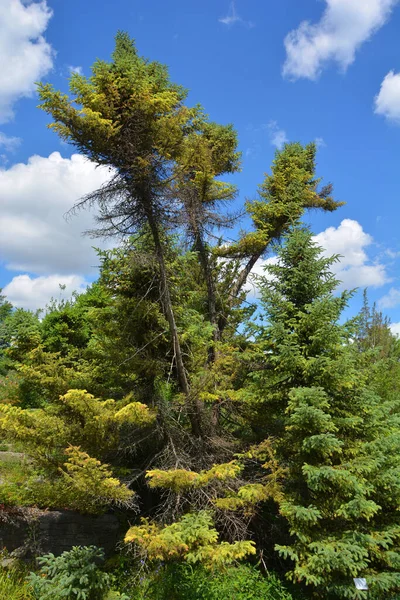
(211, 293)
(237, 288)
(243, 275)
(193, 404)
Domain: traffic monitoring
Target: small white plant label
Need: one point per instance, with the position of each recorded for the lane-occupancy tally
(361, 584)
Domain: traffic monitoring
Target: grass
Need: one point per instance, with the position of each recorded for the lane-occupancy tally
(13, 586)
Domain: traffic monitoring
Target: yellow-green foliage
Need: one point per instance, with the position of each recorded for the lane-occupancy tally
(179, 480)
(89, 481)
(104, 107)
(246, 497)
(37, 429)
(283, 197)
(193, 539)
(76, 418)
(83, 483)
(176, 480)
(49, 371)
(135, 413)
(85, 429)
(222, 472)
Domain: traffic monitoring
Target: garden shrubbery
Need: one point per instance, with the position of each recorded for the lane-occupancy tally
(78, 575)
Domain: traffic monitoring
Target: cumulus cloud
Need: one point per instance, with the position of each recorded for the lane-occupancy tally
(25, 54)
(344, 26)
(34, 197)
(387, 102)
(277, 135)
(355, 268)
(33, 293)
(391, 299)
(349, 240)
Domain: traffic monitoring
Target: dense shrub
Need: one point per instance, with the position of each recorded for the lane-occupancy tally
(75, 575)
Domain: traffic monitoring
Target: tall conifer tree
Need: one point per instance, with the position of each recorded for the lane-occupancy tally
(337, 439)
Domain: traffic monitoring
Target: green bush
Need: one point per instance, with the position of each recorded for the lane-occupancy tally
(75, 575)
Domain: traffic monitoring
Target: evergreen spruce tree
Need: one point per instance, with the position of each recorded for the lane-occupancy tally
(374, 330)
(338, 441)
(5, 307)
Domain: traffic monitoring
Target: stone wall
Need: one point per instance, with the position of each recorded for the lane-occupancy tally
(31, 533)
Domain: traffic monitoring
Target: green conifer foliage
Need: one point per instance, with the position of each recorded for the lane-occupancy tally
(337, 439)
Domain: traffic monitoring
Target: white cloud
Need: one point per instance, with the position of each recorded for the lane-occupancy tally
(277, 135)
(259, 270)
(232, 17)
(349, 240)
(34, 197)
(34, 293)
(9, 143)
(25, 54)
(78, 70)
(391, 299)
(387, 102)
(355, 269)
(395, 328)
(344, 26)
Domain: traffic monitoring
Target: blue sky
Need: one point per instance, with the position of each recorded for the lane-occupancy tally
(325, 70)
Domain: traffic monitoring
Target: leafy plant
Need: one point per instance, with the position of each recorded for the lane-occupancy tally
(113, 595)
